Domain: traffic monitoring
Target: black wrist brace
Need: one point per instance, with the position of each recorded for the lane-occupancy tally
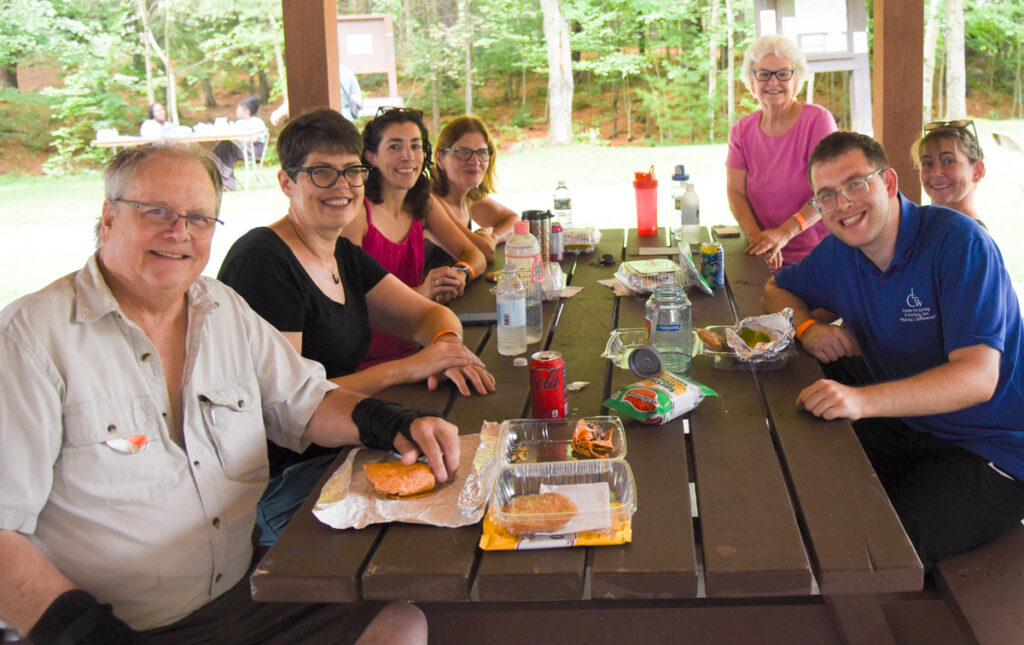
(76, 618)
(379, 422)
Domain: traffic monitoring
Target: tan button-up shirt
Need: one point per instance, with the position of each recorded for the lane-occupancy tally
(161, 531)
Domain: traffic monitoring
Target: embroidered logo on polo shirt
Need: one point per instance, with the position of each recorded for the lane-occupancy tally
(916, 310)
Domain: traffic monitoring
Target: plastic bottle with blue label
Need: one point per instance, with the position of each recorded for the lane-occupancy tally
(668, 315)
(511, 313)
(522, 251)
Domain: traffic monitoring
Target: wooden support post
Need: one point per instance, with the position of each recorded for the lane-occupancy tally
(311, 54)
(899, 47)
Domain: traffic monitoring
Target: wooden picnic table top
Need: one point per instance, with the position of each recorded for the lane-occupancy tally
(787, 505)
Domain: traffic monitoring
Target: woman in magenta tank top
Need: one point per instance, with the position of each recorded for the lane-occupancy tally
(398, 208)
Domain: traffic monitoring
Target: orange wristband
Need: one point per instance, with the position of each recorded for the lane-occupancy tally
(803, 327)
(443, 332)
(801, 221)
(472, 273)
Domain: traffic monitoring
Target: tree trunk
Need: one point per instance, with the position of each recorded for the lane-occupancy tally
(209, 100)
(560, 86)
(172, 90)
(278, 52)
(731, 107)
(956, 73)
(9, 76)
(264, 84)
(712, 68)
(931, 39)
(147, 38)
(467, 26)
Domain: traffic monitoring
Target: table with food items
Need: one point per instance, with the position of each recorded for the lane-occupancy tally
(737, 518)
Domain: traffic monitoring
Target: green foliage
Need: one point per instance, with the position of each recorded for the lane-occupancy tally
(20, 118)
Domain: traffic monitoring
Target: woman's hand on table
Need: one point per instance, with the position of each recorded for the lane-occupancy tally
(487, 238)
(482, 380)
(443, 285)
(435, 438)
(768, 242)
(436, 361)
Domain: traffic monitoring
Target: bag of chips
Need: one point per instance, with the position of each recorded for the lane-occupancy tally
(659, 399)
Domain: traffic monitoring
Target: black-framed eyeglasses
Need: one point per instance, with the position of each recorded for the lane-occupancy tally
(326, 176)
(827, 201)
(164, 216)
(384, 109)
(955, 124)
(465, 154)
(765, 75)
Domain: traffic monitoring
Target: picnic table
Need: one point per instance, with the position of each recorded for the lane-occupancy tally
(756, 521)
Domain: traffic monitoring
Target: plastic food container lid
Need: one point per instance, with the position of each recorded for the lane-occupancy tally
(645, 361)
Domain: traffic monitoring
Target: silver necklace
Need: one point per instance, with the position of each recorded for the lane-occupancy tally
(334, 272)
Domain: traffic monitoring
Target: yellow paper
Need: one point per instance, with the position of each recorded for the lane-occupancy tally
(496, 538)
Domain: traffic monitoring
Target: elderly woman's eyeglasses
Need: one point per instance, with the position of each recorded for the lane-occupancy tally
(164, 216)
(465, 154)
(765, 75)
(326, 176)
(827, 201)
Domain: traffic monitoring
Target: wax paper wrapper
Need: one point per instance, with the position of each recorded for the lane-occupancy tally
(348, 500)
(769, 336)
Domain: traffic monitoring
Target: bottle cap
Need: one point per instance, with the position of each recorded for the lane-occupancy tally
(530, 216)
(645, 361)
(680, 174)
(521, 227)
(645, 179)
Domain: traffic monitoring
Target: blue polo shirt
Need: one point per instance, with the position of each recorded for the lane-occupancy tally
(946, 288)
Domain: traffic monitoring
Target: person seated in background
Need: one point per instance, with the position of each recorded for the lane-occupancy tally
(137, 398)
(228, 153)
(928, 305)
(951, 163)
(156, 126)
(398, 208)
(325, 294)
(464, 177)
(766, 166)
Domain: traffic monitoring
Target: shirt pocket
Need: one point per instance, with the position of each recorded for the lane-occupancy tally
(234, 423)
(95, 469)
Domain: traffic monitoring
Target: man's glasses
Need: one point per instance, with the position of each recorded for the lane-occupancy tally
(765, 75)
(828, 201)
(164, 216)
(956, 124)
(326, 177)
(465, 154)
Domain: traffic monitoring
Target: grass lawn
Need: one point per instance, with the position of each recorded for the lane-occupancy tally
(47, 223)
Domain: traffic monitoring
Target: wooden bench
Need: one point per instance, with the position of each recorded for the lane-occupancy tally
(985, 589)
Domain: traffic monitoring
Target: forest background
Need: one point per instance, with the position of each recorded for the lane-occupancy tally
(654, 82)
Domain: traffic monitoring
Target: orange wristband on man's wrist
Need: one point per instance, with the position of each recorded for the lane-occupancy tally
(803, 327)
(801, 221)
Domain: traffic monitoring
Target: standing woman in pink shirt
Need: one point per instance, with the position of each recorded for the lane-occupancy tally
(766, 167)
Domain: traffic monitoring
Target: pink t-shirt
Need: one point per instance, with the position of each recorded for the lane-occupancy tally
(777, 185)
(405, 261)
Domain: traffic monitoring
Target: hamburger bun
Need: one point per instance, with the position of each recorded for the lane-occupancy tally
(393, 478)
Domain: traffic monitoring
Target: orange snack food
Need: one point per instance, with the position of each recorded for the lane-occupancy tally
(396, 479)
(712, 340)
(591, 440)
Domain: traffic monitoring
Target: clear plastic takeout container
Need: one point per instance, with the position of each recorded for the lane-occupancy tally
(526, 479)
(550, 440)
(642, 276)
(621, 343)
(728, 360)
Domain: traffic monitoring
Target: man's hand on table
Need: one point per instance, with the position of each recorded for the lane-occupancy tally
(828, 343)
(831, 400)
(435, 438)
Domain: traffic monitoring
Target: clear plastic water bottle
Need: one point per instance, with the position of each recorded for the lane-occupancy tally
(562, 205)
(522, 251)
(511, 313)
(689, 206)
(668, 317)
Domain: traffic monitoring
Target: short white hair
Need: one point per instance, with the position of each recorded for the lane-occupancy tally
(780, 46)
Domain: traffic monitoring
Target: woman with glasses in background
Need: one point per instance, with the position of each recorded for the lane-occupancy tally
(397, 212)
(766, 166)
(951, 163)
(325, 295)
(464, 163)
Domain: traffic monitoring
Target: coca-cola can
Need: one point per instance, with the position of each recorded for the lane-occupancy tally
(547, 386)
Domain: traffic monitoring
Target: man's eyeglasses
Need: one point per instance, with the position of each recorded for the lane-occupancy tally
(465, 154)
(164, 216)
(326, 176)
(765, 75)
(956, 124)
(828, 201)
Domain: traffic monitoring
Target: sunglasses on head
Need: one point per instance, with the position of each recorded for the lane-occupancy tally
(955, 124)
(385, 109)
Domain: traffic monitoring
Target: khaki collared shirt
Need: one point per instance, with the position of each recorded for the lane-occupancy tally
(159, 532)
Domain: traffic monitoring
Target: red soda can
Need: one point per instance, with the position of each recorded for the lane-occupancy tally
(547, 386)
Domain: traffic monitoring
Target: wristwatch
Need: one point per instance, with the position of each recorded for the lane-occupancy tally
(464, 270)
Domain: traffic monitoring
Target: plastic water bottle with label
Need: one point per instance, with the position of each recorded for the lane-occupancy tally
(522, 251)
(511, 313)
(668, 316)
(562, 205)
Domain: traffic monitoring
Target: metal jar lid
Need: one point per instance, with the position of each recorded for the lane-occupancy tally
(645, 361)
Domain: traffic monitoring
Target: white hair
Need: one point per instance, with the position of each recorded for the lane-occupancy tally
(780, 46)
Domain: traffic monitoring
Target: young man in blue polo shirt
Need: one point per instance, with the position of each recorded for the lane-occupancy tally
(927, 303)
